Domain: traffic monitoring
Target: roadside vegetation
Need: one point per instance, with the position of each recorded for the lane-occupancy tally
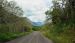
(59, 26)
(62, 27)
(12, 24)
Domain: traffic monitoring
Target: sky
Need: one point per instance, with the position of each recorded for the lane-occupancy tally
(34, 9)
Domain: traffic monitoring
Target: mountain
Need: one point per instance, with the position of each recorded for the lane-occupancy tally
(37, 23)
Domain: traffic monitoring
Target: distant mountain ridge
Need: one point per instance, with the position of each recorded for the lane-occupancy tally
(37, 23)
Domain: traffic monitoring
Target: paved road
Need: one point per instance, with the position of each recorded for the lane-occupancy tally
(34, 37)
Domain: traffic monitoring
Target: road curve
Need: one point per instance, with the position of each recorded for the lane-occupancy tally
(34, 37)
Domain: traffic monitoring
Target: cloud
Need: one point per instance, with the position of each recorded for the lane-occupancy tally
(34, 9)
(37, 18)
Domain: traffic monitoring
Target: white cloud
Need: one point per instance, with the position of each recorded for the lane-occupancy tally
(34, 9)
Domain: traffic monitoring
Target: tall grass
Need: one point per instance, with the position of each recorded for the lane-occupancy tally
(61, 33)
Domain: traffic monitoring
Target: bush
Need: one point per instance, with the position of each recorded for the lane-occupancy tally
(10, 36)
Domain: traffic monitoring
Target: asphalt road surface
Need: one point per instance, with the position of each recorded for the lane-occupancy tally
(34, 37)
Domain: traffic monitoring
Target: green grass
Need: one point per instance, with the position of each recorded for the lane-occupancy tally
(10, 36)
(59, 39)
(60, 34)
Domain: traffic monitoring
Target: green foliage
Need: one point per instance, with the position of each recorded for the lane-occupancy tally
(36, 28)
(10, 36)
(12, 24)
(62, 28)
(67, 35)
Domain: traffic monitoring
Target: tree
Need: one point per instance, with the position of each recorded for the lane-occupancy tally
(11, 17)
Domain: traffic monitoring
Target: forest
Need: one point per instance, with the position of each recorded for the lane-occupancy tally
(12, 24)
(59, 25)
(62, 27)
